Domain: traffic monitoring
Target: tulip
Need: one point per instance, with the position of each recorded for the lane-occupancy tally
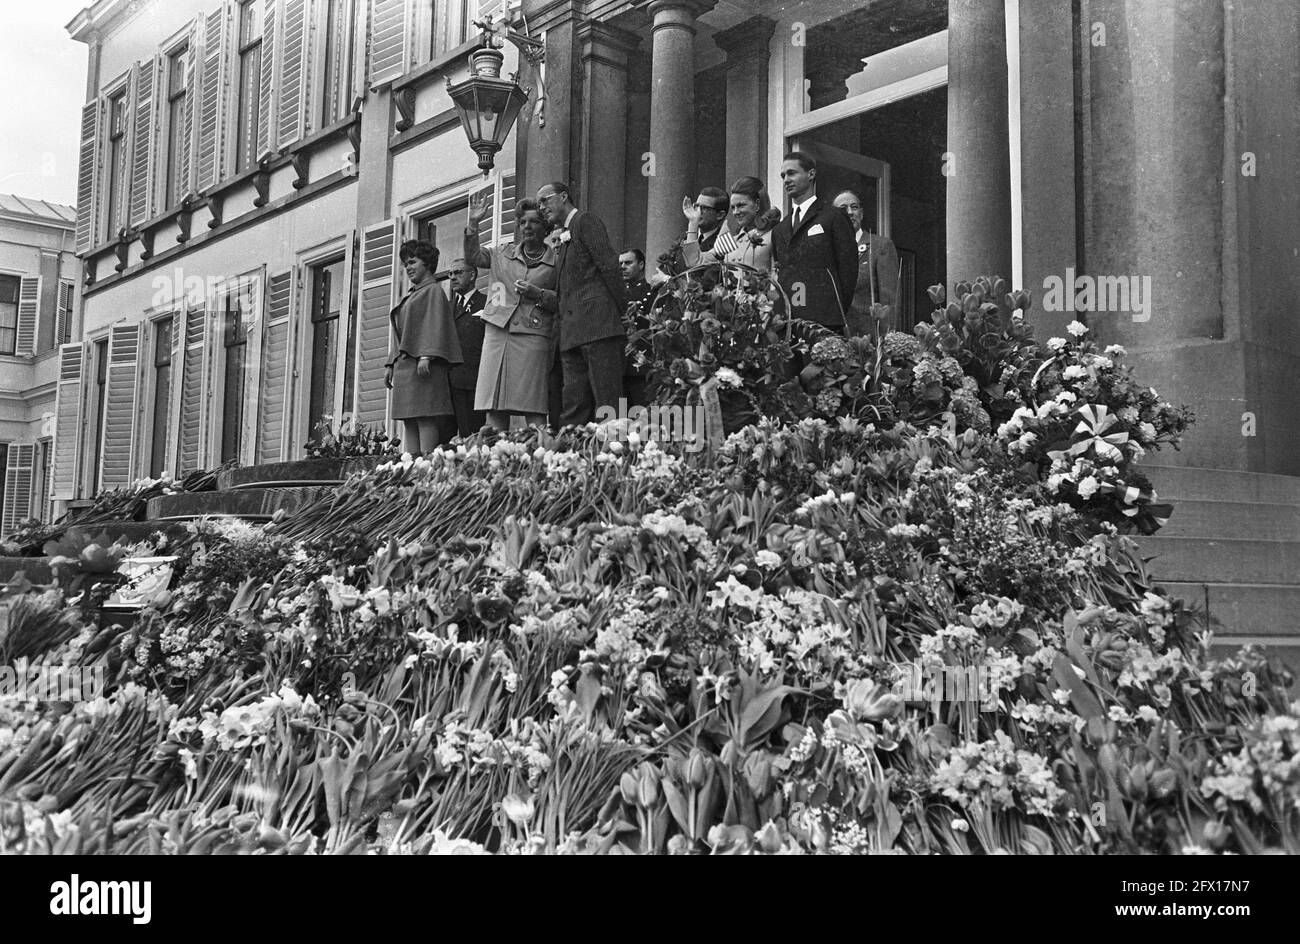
(758, 774)
(697, 768)
(1216, 834)
(1163, 783)
(648, 787)
(627, 786)
(769, 838)
(519, 809)
(867, 701)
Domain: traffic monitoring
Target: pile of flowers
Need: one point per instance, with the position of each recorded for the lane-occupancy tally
(536, 643)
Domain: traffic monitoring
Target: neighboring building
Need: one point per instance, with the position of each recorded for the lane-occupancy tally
(271, 153)
(38, 277)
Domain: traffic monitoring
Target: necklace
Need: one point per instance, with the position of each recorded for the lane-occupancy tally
(529, 258)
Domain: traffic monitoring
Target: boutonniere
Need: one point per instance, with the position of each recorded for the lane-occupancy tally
(565, 236)
(756, 237)
(556, 240)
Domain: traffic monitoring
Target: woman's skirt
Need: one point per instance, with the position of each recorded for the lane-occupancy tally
(415, 396)
(513, 372)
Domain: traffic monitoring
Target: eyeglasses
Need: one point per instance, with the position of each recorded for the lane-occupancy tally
(554, 196)
(710, 206)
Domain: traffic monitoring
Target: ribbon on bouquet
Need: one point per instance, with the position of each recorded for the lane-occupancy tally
(1137, 500)
(1096, 420)
(712, 403)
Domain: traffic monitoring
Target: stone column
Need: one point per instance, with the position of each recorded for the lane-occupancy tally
(979, 181)
(545, 153)
(672, 118)
(1049, 222)
(636, 184)
(746, 46)
(602, 156)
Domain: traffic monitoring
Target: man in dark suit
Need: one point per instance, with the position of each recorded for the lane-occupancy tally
(640, 294)
(466, 303)
(813, 249)
(592, 300)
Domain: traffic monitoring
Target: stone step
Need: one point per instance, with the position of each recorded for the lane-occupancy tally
(1188, 484)
(1213, 560)
(132, 532)
(35, 569)
(253, 504)
(1241, 520)
(1286, 651)
(1256, 609)
(298, 473)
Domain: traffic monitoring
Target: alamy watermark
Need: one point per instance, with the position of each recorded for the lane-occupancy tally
(52, 683)
(657, 423)
(1114, 294)
(970, 684)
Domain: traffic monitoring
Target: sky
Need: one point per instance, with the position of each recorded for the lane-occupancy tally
(42, 89)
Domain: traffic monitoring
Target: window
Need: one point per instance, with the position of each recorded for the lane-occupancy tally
(250, 85)
(9, 286)
(445, 228)
(232, 401)
(330, 107)
(116, 157)
(450, 26)
(162, 394)
(328, 283)
(177, 96)
(101, 406)
(837, 49)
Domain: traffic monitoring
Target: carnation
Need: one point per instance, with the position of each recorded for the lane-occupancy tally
(728, 377)
(1087, 487)
(1077, 328)
(1115, 350)
(1075, 372)
(1055, 344)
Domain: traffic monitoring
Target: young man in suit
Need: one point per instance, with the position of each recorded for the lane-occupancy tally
(466, 303)
(813, 249)
(592, 300)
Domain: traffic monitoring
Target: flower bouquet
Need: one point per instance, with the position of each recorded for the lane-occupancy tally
(351, 441)
(718, 337)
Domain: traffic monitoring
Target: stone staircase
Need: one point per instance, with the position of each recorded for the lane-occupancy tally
(254, 493)
(1233, 547)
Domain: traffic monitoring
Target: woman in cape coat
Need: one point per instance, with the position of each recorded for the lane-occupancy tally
(427, 346)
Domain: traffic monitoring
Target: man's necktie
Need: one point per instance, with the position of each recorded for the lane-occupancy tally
(798, 215)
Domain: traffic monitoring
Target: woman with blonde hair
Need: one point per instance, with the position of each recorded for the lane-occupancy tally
(519, 317)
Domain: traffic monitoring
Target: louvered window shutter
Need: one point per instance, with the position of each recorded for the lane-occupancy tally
(193, 392)
(271, 420)
(266, 101)
(29, 306)
(378, 252)
(63, 313)
(390, 22)
(121, 390)
(493, 8)
(87, 176)
(18, 487)
(188, 181)
(212, 107)
(67, 421)
(294, 39)
(507, 190)
(142, 148)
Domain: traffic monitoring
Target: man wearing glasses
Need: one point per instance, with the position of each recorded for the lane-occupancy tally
(592, 299)
(466, 304)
